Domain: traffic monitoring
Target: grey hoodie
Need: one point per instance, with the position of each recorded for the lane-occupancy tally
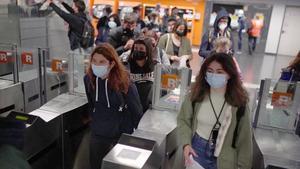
(206, 45)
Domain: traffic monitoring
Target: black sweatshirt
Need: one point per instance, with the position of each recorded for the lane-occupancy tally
(143, 78)
(107, 119)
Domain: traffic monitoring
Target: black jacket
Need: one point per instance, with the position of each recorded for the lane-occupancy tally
(76, 24)
(206, 45)
(118, 40)
(107, 118)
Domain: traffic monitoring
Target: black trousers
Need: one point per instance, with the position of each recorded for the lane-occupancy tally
(99, 147)
(251, 43)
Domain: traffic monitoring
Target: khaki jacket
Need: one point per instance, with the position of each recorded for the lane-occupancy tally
(166, 43)
(229, 158)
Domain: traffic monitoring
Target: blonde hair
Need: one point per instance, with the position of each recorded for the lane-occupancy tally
(222, 44)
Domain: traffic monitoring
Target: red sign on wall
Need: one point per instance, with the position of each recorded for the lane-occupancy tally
(3, 57)
(27, 58)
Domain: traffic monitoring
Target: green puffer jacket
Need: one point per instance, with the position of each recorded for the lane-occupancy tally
(229, 158)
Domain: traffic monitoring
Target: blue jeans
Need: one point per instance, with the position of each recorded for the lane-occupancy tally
(240, 40)
(205, 152)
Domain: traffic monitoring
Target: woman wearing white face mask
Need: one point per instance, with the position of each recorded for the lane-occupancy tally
(214, 125)
(221, 28)
(113, 101)
(105, 25)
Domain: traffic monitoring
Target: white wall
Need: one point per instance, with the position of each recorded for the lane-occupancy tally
(275, 28)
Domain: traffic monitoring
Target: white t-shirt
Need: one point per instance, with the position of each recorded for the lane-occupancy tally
(206, 117)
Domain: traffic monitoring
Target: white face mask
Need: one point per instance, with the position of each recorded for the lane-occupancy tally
(216, 80)
(100, 71)
(222, 26)
(112, 24)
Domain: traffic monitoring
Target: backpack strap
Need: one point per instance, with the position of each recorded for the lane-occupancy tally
(160, 52)
(210, 36)
(210, 39)
(239, 114)
(193, 105)
(168, 41)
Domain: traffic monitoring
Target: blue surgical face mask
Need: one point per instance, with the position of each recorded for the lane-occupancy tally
(216, 80)
(100, 71)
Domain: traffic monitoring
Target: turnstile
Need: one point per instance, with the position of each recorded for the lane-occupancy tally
(133, 152)
(11, 97)
(275, 122)
(158, 125)
(54, 131)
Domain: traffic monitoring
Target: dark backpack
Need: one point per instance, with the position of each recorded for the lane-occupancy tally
(87, 36)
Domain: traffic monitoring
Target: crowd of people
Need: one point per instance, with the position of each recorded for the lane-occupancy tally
(213, 123)
(119, 82)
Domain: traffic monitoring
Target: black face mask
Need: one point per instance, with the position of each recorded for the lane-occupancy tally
(180, 33)
(128, 32)
(139, 55)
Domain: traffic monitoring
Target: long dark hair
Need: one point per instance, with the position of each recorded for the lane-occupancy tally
(235, 94)
(179, 23)
(295, 64)
(149, 60)
(118, 78)
(80, 5)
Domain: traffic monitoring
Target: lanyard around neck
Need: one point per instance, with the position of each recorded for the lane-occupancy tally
(217, 117)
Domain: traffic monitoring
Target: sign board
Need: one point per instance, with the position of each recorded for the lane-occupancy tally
(169, 81)
(56, 65)
(3, 57)
(281, 99)
(27, 58)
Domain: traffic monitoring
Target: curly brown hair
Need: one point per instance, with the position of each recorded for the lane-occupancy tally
(235, 93)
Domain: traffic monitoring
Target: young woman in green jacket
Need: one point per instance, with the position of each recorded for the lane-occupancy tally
(209, 128)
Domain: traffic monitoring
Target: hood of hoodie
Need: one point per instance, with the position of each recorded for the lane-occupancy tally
(221, 14)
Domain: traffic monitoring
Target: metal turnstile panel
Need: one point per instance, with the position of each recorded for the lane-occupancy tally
(31, 85)
(279, 148)
(11, 97)
(56, 84)
(38, 134)
(162, 122)
(132, 153)
(64, 103)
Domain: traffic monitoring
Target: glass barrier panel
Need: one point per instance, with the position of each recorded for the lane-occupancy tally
(279, 105)
(8, 62)
(170, 86)
(56, 71)
(79, 62)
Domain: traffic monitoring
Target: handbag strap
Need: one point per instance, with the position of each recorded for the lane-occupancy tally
(168, 41)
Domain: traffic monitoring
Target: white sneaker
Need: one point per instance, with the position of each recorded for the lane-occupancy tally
(239, 52)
